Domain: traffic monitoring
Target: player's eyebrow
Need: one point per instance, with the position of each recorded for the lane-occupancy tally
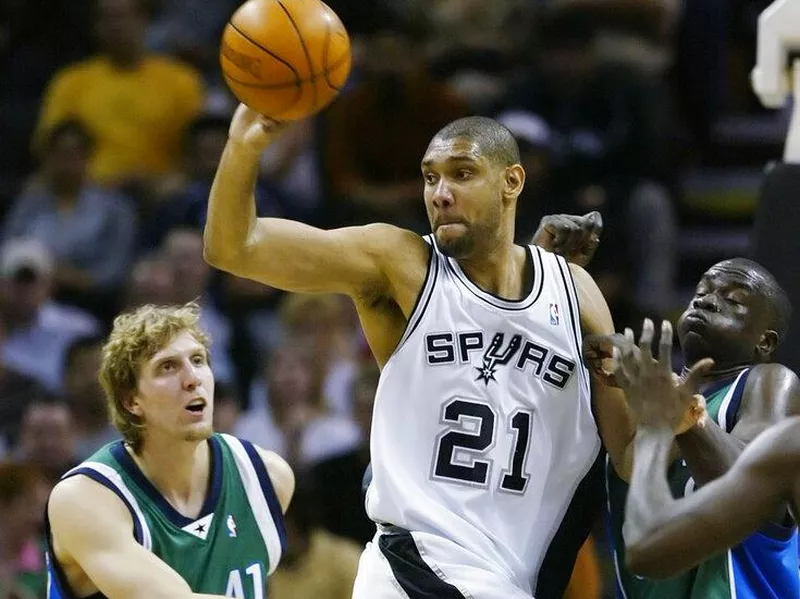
(453, 158)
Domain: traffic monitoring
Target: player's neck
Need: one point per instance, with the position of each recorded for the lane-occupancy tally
(500, 271)
(179, 470)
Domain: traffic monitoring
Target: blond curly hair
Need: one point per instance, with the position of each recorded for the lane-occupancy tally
(135, 338)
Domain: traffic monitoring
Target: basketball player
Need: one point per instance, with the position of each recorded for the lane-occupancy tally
(738, 316)
(171, 510)
(664, 535)
(485, 453)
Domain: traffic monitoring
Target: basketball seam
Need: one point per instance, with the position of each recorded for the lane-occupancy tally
(275, 56)
(274, 85)
(298, 91)
(305, 50)
(327, 68)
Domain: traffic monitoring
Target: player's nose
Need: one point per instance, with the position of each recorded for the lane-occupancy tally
(442, 194)
(191, 377)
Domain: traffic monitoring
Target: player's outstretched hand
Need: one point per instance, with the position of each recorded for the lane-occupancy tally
(252, 130)
(574, 237)
(657, 397)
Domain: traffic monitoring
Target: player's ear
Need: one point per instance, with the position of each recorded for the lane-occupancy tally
(514, 180)
(131, 404)
(767, 344)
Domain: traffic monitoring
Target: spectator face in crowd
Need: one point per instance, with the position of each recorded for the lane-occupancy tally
(82, 386)
(320, 323)
(66, 158)
(151, 282)
(26, 269)
(183, 252)
(23, 493)
(47, 438)
(293, 384)
(120, 28)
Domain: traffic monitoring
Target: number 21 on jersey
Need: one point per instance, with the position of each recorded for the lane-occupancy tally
(460, 450)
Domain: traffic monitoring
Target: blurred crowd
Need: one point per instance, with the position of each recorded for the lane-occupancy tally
(113, 116)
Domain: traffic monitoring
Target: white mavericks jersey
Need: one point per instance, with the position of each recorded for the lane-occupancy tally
(483, 430)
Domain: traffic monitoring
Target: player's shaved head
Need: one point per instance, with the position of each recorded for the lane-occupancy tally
(494, 140)
(778, 302)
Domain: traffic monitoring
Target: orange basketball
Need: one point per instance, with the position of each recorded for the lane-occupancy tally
(286, 59)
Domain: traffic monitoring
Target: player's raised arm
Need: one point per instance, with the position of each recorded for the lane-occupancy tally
(283, 253)
(91, 527)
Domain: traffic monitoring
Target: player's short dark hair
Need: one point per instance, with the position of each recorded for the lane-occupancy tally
(779, 304)
(69, 128)
(494, 140)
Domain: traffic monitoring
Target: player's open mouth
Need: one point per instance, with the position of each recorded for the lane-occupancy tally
(196, 406)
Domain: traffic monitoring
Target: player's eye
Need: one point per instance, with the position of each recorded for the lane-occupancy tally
(463, 174)
(198, 359)
(167, 366)
(430, 178)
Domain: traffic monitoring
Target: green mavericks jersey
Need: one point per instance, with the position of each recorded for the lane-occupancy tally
(764, 566)
(229, 549)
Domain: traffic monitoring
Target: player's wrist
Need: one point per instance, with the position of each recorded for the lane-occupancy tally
(246, 149)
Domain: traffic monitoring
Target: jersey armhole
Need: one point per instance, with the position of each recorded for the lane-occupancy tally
(424, 297)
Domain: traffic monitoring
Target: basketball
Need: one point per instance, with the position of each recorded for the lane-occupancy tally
(286, 59)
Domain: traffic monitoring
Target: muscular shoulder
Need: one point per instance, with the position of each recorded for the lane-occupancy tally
(77, 506)
(281, 476)
(771, 394)
(402, 255)
(78, 494)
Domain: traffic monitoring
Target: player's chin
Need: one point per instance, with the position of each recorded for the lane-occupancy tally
(199, 431)
(454, 244)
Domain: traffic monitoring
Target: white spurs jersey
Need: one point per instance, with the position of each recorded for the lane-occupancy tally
(483, 430)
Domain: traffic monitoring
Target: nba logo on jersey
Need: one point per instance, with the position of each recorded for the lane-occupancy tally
(554, 314)
(231, 526)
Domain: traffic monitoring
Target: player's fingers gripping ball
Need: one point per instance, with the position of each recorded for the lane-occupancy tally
(286, 59)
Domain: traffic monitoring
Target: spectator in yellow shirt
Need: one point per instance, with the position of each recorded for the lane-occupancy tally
(135, 105)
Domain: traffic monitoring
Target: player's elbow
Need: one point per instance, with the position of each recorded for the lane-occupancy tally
(219, 255)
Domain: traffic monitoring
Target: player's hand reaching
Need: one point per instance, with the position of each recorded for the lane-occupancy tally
(654, 393)
(253, 131)
(574, 237)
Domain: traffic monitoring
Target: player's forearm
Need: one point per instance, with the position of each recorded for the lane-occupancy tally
(231, 207)
(649, 496)
(709, 452)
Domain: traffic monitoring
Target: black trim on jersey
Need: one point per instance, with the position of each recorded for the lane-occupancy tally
(574, 311)
(576, 524)
(732, 413)
(170, 513)
(269, 491)
(531, 296)
(411, 572)
(424, 296)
